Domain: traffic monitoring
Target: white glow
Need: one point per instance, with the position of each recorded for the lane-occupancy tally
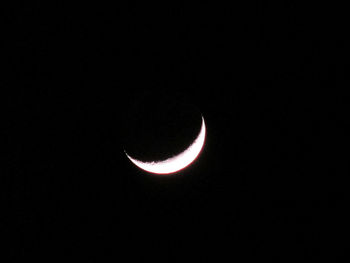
(177, 162)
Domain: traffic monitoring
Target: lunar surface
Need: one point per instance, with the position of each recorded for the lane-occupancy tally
(178, 162)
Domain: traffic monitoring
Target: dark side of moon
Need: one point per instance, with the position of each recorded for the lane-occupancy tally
(157, 131)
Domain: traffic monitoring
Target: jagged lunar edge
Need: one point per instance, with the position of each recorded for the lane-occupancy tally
(178, 162)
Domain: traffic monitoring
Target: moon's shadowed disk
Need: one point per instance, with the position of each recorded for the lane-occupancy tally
(160, 129)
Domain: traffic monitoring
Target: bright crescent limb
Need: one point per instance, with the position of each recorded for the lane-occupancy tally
(177, 162)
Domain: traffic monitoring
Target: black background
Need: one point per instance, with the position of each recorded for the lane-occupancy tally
(270, 81)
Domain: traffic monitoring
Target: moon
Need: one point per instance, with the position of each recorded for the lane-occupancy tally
(178, 162)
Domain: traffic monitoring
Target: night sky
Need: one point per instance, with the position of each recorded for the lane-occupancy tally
(86, 82)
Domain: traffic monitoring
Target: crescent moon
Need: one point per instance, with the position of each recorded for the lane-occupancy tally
(178, 162)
